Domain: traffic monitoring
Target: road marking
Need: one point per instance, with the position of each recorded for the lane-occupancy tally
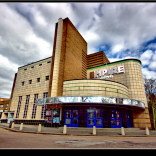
(79, 143)
(4, 130)
(110, 141)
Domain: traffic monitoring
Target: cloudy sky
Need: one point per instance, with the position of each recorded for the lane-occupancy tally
(121, 30)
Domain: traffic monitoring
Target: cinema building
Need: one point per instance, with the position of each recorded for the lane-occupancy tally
(79, 90)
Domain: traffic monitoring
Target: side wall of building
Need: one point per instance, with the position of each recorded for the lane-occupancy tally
(26, 73)
(4, 105)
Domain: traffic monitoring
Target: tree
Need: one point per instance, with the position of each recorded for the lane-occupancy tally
(152, 108)
(150, 86)
(150, 90)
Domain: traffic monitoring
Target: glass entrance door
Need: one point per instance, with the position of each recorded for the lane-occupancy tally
(71, 117)
(116, 119)
(94, 118)
(128, 120)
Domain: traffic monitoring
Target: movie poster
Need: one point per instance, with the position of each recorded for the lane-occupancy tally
(56, 120)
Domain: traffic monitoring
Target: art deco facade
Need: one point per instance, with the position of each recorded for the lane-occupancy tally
(80, 90)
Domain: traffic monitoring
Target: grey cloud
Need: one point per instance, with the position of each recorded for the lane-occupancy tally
(24, 10)
(5, 89)
(14, 44)
(7, 74)
(27, 11)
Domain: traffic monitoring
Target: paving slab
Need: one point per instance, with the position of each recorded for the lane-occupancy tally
(79, 131)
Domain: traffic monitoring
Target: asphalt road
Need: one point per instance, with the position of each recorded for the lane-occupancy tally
(17, 140)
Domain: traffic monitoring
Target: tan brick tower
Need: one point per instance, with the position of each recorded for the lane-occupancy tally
(69, 60)
(55, 79)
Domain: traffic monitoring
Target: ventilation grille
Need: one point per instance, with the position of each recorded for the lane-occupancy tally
(84, 65)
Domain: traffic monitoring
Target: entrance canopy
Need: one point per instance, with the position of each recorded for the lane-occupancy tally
(90, 99)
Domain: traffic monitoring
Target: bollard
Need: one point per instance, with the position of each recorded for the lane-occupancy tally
(39, 128)
(94, 130)
(122, 131)
(12, 126)
(65, 129)
(147, 131)
(21, 127)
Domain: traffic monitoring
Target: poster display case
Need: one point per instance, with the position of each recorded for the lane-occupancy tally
(52, 117)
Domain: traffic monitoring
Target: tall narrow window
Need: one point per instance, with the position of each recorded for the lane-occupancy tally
(26, 106)
(34, 106)
(19, 106)
(44, 106)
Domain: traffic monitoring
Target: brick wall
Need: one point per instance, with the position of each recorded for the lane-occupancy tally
(34, 71)
(96, 59)
(72, 61)
(75, 45)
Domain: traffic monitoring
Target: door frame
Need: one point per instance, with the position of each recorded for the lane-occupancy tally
(71, 119)
(95, 118)
(115, 118)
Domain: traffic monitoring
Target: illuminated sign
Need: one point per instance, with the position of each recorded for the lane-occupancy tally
(110, 72)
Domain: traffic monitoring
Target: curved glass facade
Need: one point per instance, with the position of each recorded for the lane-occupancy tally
(90, 99)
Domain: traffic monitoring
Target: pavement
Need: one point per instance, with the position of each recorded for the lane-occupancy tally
(111, 132)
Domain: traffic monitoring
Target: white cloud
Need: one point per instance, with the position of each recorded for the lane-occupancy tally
(91, 37)
(152, 45)
(154, 56)
(113, 59)
(118, 59)
(148, 73)
(6, 64)
(152, 64)
(125, 23)
(146, 57)
(117, 48)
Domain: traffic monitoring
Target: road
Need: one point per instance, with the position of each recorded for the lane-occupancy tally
(17, 140)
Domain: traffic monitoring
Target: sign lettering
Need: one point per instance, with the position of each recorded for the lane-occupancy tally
(110, 72)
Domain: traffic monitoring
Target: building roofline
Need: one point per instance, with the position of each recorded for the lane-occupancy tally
(116, 62)
(35, 62)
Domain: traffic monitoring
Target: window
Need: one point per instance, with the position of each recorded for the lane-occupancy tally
(30, 81)
(38, 79)
(32, 67)
(26, 106)
(34, 106)
(40, 64)
(23, 83)
(47, 78)
(18, 107)
(44, 106)
(25, 69)
(48, 61)
(45, 94)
